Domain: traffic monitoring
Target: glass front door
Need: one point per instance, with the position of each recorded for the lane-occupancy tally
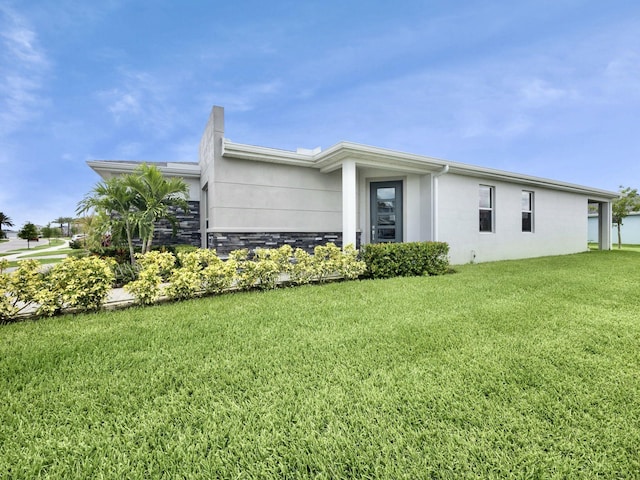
(386, 212)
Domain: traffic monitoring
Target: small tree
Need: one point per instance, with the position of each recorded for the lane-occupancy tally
(60, 220)
(628, 202)
(28, 232)
(48, 232)
(6, 221)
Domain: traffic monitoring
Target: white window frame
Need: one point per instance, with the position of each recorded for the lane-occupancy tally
(530, 211)
(490, 208)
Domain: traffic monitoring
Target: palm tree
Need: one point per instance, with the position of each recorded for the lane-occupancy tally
(68, 221)
(154, 195)
(115, 199)
(6, 221)
(61, 221)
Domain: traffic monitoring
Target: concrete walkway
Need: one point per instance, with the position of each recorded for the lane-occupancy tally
(16, 244)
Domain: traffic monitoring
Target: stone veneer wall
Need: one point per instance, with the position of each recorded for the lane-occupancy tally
(188, 227)
(224, 243)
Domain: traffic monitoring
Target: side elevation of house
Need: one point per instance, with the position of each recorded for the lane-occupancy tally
(250, 197)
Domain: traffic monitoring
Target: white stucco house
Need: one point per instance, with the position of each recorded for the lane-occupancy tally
(629, 229)
(245, 196)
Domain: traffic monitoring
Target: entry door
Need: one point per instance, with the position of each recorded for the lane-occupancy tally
(386, 212)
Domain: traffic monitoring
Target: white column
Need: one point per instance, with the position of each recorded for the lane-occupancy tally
(349, 201)
(604, 224)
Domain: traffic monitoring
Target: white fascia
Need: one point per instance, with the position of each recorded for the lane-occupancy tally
(331, 159)
(171, 169)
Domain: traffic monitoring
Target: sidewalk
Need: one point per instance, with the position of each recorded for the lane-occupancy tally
(23, 255)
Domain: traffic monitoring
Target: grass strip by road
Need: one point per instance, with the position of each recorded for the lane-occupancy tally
(41, 261)
(518, 369)
(62, 251)
(54, 243)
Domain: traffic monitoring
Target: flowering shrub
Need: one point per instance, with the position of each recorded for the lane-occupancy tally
(188, 280)
(82, 283)
(270, 264)
(301, 271)
(350, 267)
(327, 260)
(245, 270)
(154, 267)
(18, 290)
(217, 276)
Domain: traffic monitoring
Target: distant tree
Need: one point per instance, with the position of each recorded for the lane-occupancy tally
(49, 232)
(28, 232)
(61, 221)
(6, 221)
(68, 221)
(629, 201)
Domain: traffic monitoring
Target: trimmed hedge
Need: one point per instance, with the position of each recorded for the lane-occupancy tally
(386, 260)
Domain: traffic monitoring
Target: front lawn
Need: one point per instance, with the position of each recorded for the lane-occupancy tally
(520, 369)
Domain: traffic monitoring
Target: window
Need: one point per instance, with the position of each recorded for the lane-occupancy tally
(205, 205)
(486, 208)
(527, 211)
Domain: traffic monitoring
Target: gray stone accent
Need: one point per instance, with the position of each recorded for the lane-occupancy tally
(188, 227)
(224, 243)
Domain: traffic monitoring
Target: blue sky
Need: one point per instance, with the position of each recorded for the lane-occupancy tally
(546, 88)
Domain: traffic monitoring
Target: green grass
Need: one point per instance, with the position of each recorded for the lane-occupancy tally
(41, 261)
(54, 243)
(625, 246)
(62, 251)
(521, 369)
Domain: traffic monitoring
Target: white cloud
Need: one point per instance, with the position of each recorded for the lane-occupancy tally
(24, 66)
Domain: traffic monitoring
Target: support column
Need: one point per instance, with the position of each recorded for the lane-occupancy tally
(349, 202)
(604, 226)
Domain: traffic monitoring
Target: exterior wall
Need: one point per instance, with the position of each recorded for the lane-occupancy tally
(560, 221)
(188, 228)
(630, 229)
(224, 243)
(249, 196)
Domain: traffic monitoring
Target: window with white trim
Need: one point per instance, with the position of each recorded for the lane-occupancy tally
(486, 204)
(527, 211)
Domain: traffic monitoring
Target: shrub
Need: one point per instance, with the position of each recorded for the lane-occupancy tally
(350, 266)
(301, 271)
(79, 253)
(218, 275)
(154, 267)
(188, 280)
(386, 260)
(245, 270)
(124, 273)
(327, 260)
(82, 283)
(270, 264)
(18, 290)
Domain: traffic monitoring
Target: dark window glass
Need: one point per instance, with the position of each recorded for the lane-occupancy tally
(526, 221)
(485, 221)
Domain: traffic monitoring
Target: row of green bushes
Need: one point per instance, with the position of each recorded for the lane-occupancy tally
(386, 260)
(83, 283)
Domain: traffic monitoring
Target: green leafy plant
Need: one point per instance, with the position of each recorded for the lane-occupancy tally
(81, 283)
(386, 260)
(19, 290)
(154, 267)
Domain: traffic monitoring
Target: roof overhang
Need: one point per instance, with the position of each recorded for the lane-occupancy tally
(109, 168)
(367, 156)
